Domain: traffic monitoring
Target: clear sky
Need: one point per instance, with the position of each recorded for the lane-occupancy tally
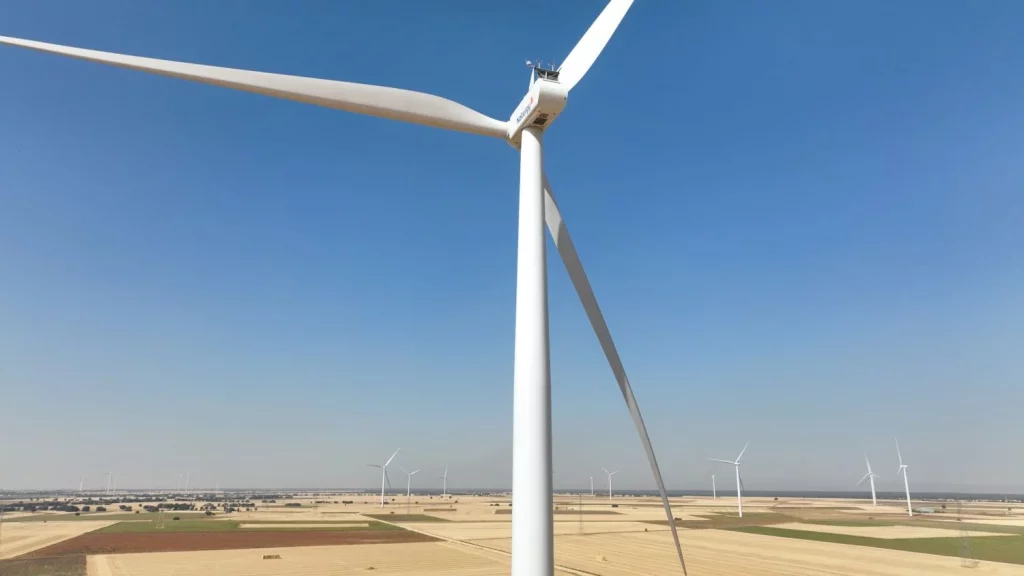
(802, 220)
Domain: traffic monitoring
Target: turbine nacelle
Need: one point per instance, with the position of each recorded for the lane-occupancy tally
(539, 108)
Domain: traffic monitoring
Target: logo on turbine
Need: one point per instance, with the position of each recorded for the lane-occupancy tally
(525, 111)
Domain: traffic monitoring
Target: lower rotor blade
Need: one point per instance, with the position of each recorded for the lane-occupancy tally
(560, 235)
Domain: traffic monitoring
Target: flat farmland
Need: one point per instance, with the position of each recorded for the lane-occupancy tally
(469, 531)
(420, 559)
(727, 553)
(23, 537)
(132, 542)
(885, 532)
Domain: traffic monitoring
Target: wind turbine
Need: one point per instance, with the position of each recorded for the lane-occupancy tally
(591, 486)
(384, 476)
(906, 484)
(739, 481)
(532, 516)
(80, 484)
(187, 474)
(714, 491)
(444, 488)
(610, 474)
(107, 491)
(870, 476)
(408, 483)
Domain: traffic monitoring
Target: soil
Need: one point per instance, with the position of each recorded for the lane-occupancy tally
(124, 543)
(62, 566)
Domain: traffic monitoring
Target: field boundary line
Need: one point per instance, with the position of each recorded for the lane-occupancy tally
(474, 545)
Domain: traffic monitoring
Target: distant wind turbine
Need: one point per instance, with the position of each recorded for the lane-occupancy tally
(591, 486)
(384, 476)
(906, 483)
(739, 481)
(610, 474)
(109, 474)
(870, 476)
(714, 491)
(81, 483)
(444, 489)
(408, 482)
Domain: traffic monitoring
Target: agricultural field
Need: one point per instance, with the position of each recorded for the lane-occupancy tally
(421, 559)
(21, 538)
(471, 536)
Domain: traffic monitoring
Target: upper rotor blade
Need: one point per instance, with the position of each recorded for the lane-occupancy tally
(382, 101)
(867, 462)
(863, 479)
(586, 51)
(392, 457)
(605, 470)
(723, 461)
(898, 455)
(560, 235)
(742, 451)
(414, 471)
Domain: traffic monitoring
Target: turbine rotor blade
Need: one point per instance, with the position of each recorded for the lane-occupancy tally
(863, 479)
(741, 452)
(560, 235)
(898, 455)
(392, 457)
(387, 478)
(586, 51)
(414, 471)
(722, 461)
(382, 101)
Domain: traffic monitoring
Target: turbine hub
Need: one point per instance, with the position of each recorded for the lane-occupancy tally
(539, 108)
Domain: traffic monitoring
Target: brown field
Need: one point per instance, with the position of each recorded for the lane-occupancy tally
(421, 559)
(126, 543)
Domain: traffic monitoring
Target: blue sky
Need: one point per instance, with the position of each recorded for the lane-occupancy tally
(802, 220)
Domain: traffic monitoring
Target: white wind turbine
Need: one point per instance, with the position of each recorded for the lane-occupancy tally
(444, 486)
(107, 491)
(591, 486)
(870, 476)
(532, 517)
(739, 481)
(714, 491)
(384, 475)
(906, 483)
(408, 482)
(610, 474)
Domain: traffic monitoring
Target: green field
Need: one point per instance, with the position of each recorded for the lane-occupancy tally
(173, 526)
(1008, 548)
(406, 517)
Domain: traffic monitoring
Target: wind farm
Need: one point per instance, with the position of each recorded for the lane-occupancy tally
(266, 247)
